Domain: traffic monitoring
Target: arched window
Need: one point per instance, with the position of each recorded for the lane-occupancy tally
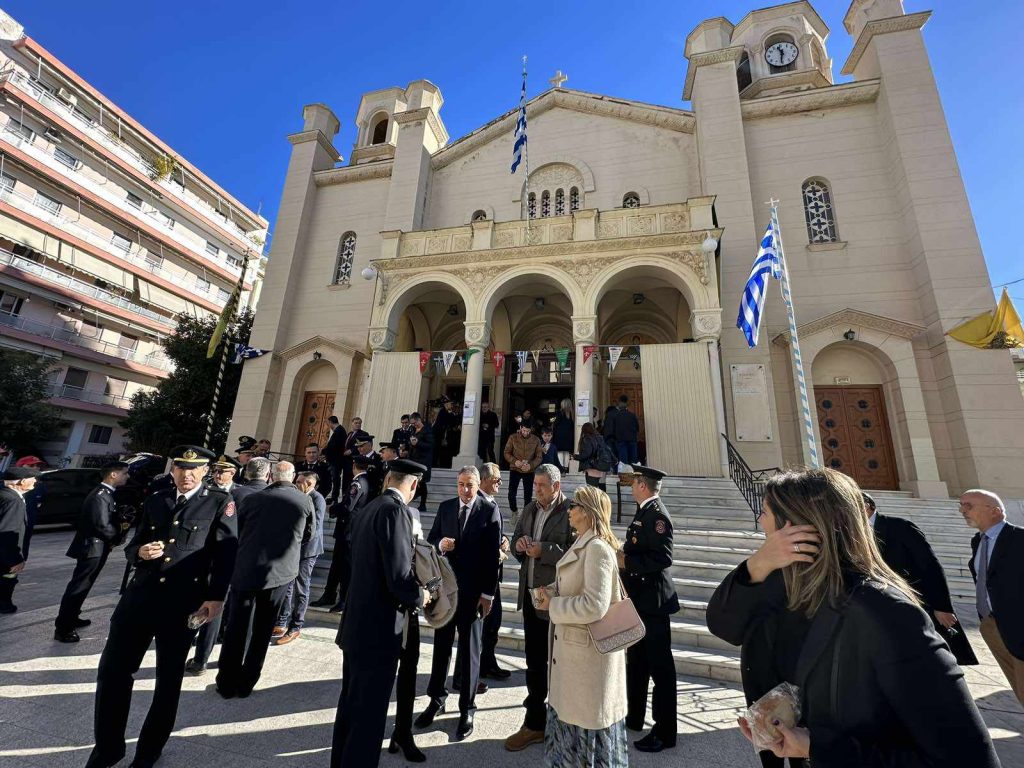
(545, 204)
(532, 206)
(479, 215)
(821, 217)
(560, 202)
(574, 199)
(631, 200)
(346, 255)
(380, 131)
(786, 51)
(743, 76)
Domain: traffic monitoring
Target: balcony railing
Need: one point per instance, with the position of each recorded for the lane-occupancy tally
(89, 396)
(80, 286)
(110, 140)
(69, 336)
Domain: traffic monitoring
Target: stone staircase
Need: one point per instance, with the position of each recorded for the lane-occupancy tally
(714, 531)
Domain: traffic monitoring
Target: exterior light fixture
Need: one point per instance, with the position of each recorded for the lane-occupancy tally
(538, 303)
(369, 273)
(639, 298)
(850, 335)
(453, 310)
(709, 245)
(317, 355)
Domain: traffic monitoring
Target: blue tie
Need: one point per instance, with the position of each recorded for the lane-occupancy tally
(981, 583)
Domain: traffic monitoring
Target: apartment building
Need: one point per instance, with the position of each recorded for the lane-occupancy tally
(106, 235)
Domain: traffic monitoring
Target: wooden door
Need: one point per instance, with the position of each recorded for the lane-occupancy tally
(855, 435)
(635, 393)
(317, 407)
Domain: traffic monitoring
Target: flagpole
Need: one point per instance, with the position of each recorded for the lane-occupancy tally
(236, 299)
(526, 157)
(810, 441)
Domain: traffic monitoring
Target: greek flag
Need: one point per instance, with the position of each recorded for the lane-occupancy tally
(245, 352)
(766, 262)
(520, 132)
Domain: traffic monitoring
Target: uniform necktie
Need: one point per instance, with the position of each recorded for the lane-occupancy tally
(981, 583)
(182, 498)
(463, 514)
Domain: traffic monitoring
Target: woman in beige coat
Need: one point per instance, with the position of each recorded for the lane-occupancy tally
(587, 690)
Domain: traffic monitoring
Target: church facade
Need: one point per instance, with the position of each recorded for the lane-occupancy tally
(634, 235)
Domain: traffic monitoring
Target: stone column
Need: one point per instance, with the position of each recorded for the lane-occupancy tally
(707, 327)
(584, 331)
(478, 336)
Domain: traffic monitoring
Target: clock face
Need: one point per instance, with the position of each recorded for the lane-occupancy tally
(781, 54)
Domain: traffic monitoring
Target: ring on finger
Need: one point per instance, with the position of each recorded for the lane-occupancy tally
(796, 547)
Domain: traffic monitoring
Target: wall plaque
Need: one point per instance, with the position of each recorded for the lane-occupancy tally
(750, 404)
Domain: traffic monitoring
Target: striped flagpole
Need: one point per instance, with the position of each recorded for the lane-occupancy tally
(235, 300)
(810, 441)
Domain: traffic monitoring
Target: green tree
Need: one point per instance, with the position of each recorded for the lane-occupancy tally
(26, 418)
(176, 412)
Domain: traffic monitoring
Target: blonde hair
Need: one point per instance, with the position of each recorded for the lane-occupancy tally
(598, 507)
(833, 504)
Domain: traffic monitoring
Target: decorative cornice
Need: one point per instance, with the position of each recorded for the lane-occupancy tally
(813, 77)
(306, 136)
(372, 153)
(678, 120)
(721, 56)
(781, 12)
(319, 342)
(429, 116)
(380, 169)
(882, 27)
(857, 317)
(831, 97)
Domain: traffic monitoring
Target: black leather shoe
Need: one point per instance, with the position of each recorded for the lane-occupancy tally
(638, 726)
(8, 608)
(96, 760)
(226, 693)
(144, 762)
(496, 673)
(195, 667)
(324, 602)
(465, 727)
(66, 637)
(82, 623)
(651, 743)
(409, 749)
(338, 607)
(426, 718)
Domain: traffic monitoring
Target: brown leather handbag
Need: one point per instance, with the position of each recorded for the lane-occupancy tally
(620, 627)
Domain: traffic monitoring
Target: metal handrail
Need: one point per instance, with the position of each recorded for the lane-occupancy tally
(750, 482)
(69, 392)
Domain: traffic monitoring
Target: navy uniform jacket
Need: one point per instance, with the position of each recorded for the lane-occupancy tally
(648, 550)
(475, 557)
(347, 509)
(98, 525)
(383, 587)
(272, 527)
(12, 528)
(200, 540)
(324, 483)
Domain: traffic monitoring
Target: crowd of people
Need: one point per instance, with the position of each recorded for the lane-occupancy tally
(846, 603)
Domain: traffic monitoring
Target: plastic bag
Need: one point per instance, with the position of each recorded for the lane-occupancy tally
(781, 703)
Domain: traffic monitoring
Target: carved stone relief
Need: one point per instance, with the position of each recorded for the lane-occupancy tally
(555, 175)
(561, 233)
(641, 225)
(437, 244)
(505, 239)
(695, 260)
(382, 339)
(461, 242)
(611, 228)
(411, 247)
(675, 222)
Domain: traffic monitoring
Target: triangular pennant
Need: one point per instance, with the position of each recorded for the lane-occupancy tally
(588, 352)
(461, 361)
(424, 359)
(536, 358)
(562, 355)
(614, 353)
(448, 358)
(499, 362)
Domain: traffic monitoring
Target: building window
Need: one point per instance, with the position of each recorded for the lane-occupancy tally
(202, 284)
(134, 201)
(223, 295)
(154, 260)
(380, 132)
(545, 204)
(6, 184)
(115, 387)
(743, 76)
(480, 216)
(531, 206)
(76, 378)
(47, 203)
(821, 218)
(10, 304)
(234, 261)
(100, 435)
(212, 249)
(346, 256)
(167, 220)
(18, 128)
(631, 200)
(559, 202)
(90, 330)
(131, 343)
(121, 243)
(64, 157)
(574, 199)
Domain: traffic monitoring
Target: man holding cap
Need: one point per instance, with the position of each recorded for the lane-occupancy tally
(99, 529)
(183, 552)
(375, 471)
(17, 482)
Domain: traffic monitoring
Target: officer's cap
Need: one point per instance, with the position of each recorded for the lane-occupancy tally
(20, 473)
(191, 456)
(651, 472)
(392, 446)
(114, 466)
(362, 461)
(362, 438)
(226, 462)
(406, 467)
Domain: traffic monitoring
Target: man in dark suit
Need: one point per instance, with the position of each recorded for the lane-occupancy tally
(334, 454)
(997, 565)
(99, 529)
(272, 526)
(183, 552)
(383, 592)
(402, 433)
(467, 530)
(421, 445)
(646, 562)
(296, 598)
(349, 451)
(542, 535)
(13, 525)
(315, 463)
(906, 550)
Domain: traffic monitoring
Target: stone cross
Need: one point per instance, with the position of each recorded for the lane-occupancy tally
(558, 79)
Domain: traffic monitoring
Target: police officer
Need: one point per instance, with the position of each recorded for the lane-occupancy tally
(183, 552)
(17, 481)
(99, 530)
(645, 560)
(375, 470)
(388, 453)
(317, 464)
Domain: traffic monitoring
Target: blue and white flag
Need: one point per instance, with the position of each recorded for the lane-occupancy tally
(245, 352)
(765, 263)
(520, 132)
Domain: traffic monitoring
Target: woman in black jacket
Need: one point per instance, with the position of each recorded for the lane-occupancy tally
(564, 433)
(816, 606)
(592, 445)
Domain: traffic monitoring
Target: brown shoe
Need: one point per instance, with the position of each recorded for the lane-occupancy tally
(287, 637)
(278, 631)
(523, 738)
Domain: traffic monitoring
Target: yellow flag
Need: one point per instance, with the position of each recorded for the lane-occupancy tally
(229, 311)
(993, 330)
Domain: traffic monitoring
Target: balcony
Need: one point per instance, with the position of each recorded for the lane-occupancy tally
(89, 396)
(57, 333)
(110, 141)
(81, 287)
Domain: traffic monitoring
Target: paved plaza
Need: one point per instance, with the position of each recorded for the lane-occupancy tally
(46, 697)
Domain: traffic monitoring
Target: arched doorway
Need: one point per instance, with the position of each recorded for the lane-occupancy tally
(317, 405)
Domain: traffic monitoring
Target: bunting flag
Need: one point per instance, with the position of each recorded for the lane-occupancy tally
(536, 358)
(470, 352)
(499, 362)
(245, 352)
(424, 359)
(634, 355)
(614, 353)
(448, 358)
(562, 355)
(521, 359)
(462, 361)
(588, 352)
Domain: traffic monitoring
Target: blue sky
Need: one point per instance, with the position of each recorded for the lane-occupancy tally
(224, 81)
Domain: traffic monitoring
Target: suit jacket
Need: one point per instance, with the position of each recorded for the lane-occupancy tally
(626, 426)
(1005, 580)
(12, 528)
(879, 686)
(334, 449)
(324, 481)
(315, 546)
(239, 492)
(648, 551)
(272, 527)
(98, 525)
(555, 539)
(475, 557)
(383, 589)
(423, 451)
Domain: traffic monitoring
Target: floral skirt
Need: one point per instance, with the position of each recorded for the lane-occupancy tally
(569, 746)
